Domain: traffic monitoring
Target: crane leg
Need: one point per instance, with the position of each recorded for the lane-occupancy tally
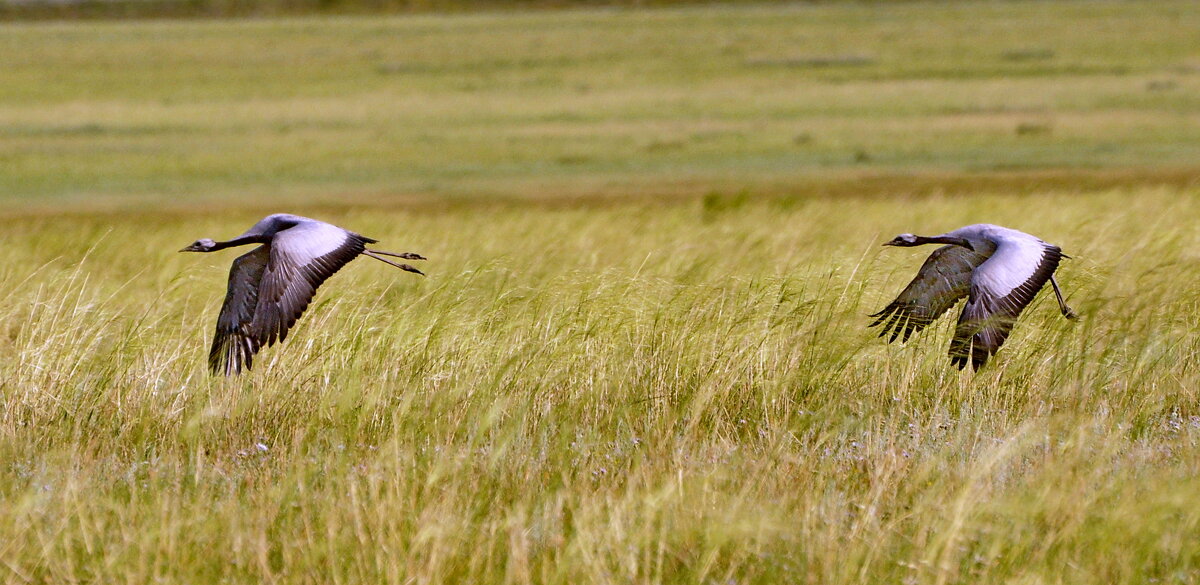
(405, 267)
(1062, 305)
(406, 255)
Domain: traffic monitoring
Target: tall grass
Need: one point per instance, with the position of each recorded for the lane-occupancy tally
(640, 354)
(628, 393)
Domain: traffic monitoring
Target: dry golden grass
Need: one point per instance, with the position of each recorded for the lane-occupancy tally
(641, 353)
(671, 393)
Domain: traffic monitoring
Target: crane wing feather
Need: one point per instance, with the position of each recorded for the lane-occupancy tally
(302, 258)
(234, 345)
(1000, 289)
(943, 279)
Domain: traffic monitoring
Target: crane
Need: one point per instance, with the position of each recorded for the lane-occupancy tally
(999, 270)
(272, 285)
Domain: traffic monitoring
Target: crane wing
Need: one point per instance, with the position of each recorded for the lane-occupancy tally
(943, 279)
(234, 345)
(302, 257)
(270, 287)
(1000, 289)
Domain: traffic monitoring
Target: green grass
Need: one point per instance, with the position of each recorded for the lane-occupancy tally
(641, 353)
(679, 101)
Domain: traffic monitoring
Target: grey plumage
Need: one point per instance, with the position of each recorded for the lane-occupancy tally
(999, 270)
(272, 285)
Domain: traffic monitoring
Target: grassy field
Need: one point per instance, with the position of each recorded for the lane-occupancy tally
(772, 99)
(641, 354)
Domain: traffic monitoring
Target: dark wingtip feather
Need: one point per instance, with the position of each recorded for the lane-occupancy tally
(899, 326)
(879, 317)
(979, 356)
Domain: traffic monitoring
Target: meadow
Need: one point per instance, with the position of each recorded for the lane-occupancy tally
(640, 354)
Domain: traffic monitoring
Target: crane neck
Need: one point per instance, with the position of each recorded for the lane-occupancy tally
(242, 241)
(945, 240)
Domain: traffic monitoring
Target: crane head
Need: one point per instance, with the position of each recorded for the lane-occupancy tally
(903, 240)
(201, 245)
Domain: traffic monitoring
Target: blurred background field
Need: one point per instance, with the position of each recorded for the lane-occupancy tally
(789, 99)
(641, 353)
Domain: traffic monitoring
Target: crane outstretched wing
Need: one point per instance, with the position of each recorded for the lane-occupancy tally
(302, 257)
(234, 346)
(271, 287)
(1000, 289)
(943, 279)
